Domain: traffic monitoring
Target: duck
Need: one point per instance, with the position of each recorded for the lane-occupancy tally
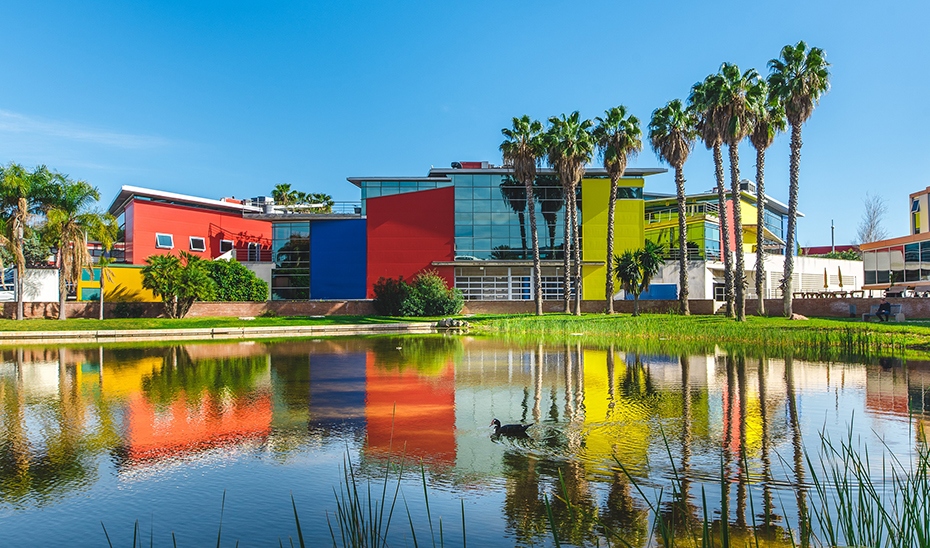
(518, 430)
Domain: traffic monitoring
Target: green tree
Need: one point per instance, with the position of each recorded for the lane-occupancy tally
(798, 79)
(569, 147)
(769, 120)
(704, 102)
(636, 269)
(69, 223)
(618, 138)
(671, 133)
(522, 147)
(178, 285)
(283, 195)
(235, 282)
(22, 194)
(738, 96)
(324, 200)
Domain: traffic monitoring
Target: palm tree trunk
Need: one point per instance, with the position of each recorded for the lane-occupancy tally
(636, 304)
(567, 249)
(537, 266)
(611, 204)
(101, 292)
(739, 273)
(683, 306)
(760, 229)
(576, 252)
(62, 286)
(522, 218)
(724, 231)
(19, 258)
(792, 216)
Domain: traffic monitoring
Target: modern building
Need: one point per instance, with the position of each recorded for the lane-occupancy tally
(902, 264)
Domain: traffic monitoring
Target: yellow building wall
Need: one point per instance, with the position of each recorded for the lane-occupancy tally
(748, 212)
(629, 218)
(125, 285)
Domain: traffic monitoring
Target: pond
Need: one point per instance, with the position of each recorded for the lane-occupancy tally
(165, 441)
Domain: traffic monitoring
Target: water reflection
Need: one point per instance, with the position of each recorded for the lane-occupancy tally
(70, 418)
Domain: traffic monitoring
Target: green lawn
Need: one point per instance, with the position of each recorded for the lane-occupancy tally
(190, 323)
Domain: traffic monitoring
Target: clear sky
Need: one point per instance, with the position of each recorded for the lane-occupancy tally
(231, 98)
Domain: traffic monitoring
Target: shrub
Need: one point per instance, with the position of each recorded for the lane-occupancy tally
(128, 310)
(390, 296)
(426, 296)
(235, 282)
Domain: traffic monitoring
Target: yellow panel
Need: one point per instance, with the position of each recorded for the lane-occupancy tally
(124, 285)
(629, 218)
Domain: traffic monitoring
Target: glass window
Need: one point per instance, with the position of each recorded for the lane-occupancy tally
(197, 243)
(462, 180)
(915, 206)
(164, 241)
(483, 193)
(912, 253)
(483, 181)
(226, 245)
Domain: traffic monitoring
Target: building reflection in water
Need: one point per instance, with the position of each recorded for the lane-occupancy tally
(599, 414)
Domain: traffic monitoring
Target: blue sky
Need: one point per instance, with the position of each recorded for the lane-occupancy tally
(231, 98)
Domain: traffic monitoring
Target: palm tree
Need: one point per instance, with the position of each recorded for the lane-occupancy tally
(69, 222)
(672, 131)
(283, 195)
(704, 102)
(738, 97)
(22, 193)
(636, 269)
(798, 79)
(325, 200)
(521, 149)
(106, 274)
(769, 120)
(569, 146)
(618, 138)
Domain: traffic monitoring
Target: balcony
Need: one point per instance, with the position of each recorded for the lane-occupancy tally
(691, 210)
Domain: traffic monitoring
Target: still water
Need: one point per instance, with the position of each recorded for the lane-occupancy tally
(161, 434)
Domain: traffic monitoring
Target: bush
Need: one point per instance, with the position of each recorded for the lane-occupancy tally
(426, 296)
(390, 296)
(128, 310)
(235, 282)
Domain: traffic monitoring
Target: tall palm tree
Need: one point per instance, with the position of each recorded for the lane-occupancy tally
(672, 131)
(798, 78)
(704, 102)
(618, 138)
(769, 121)
(738, 97)
(522, 147)
(22, 193)
(283, 195)
(69, 223)
(570, 145)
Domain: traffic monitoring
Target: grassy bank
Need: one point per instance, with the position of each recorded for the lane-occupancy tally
(192, 323)
(703, 333)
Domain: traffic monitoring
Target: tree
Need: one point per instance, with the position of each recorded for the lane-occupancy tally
(704, 102)
(178, 285)
(235, 282)
(870, 227)
(324, 200)
(22, 193)
(738, 96)
(672, 131)
(283, 195)
(618, 138)
(636, 269)
(798, 79)
(569, 146)
(521, 149)
(69, 222)
(769, 120)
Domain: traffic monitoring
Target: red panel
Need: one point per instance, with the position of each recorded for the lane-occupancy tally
(407, 232)
(182, 222)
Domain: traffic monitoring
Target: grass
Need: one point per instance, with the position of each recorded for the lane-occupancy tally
(815, 338)
(192, 323)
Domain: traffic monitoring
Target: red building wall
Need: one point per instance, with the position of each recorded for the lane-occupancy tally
(144, 219)
(407, 232)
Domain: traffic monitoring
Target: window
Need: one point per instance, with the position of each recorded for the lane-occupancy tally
(226, 245)
(164, 241)
(253, 252)
(198, 244)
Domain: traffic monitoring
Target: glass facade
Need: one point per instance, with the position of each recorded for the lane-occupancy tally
(376, 189)
(703, 240)
(290, 246)
(898, 264)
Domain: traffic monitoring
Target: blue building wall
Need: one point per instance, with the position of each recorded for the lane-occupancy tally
(658, 292)
(338, 265)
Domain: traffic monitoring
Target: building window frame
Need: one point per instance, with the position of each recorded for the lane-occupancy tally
(227, 245)
(195, 240)
(161, 244)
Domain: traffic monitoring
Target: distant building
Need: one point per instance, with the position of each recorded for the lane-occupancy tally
(902, 262)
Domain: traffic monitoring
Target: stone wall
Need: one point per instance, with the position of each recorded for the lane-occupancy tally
(912, 307)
